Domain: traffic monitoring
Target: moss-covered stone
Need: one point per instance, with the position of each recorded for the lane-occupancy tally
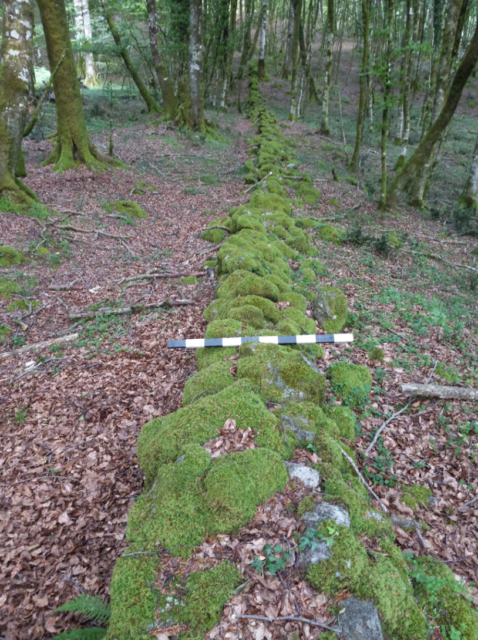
(416, 495)
(332, 234)
(316, 266)
(306, 223)
(377, 354)
(188, 280)
(280, 283)
(229, 328)
(43, 251)
(306, 325)
(9, 256)
(249, 315)
(211, 355)
(331, 309)
(248, 286)
(214, 235)
(380, 581)
(309, 275)
(442, 600)
(128, 207)
(133, 601)
(351, 382)
(207, 382)
(282, 377)
(162, 439)
(297, 300)
(305, 505)
(270, 312)
(345, 420)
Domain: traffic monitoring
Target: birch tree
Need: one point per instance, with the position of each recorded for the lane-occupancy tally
(330, 30)
(196, 110)
(83, 30)
(261, 67)
(363, 84)
(164, 78)
(295, 58)
(16, 57)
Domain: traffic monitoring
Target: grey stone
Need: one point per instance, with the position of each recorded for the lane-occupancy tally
(296, 425)
(326, 511)
(310, 477)
(376, 515)
(312, 556)
(359, 621)
(324, 306)
(180, 459)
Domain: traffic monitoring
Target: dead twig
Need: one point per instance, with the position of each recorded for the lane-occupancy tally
(12, 484)
(434, 256)
(313, 623)
(132, 309)
(437, 391)
(39, 345)
(40, 364)
(63, 287)
(362, 480)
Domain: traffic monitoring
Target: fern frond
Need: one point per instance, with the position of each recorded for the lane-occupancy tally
(81, 634)
(90, 606)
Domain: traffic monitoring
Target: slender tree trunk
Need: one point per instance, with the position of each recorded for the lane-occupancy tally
(83, 30)
(152, 105)
(16, 57)
(363, 84)
(425, 148)
(246, 43)
(162, 73)
(386, 105)
(261, 67)
(196, 111)
(324, 125)
(288, 50)
(295, 58)
(445, 62)
(230, 53)
(72, 140)
(469, 197)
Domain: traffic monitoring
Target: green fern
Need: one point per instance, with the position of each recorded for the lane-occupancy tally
(81, 634)
(90, 606)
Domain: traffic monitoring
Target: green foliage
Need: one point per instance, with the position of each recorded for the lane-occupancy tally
(94, 633)
(188, 280)
(305, 505)
(276, 559)
(90, 606)
(128, 207)
(9, 256)
(207, 382)
(350, 382)
(377, 354)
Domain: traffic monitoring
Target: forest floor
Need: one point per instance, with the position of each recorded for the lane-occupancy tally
(69, 426)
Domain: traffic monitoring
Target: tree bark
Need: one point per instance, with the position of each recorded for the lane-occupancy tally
(72, 140)
(363, 85)
(246, 43)
(16, 57)
(231, 45)
(152, 105)
(196, 111)
(164, 79)
(324, 126)
(261, 67)
(295, 58)
(425, 148)
(469, 197)
(288, 50)
(84, 32)
(386, 105)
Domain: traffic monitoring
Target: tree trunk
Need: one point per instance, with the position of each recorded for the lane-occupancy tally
(72, 140)
(295, 58)
(445, 62)
(164, 79)
(15, 66)
(261, 67)
(288, 50)
(86, 65)
(386, 105)
(469, 197)
(324, 125)
(152, 105)
(196, 112)
(231, 45)
(425, 148)
(363, 84)
(246, 43)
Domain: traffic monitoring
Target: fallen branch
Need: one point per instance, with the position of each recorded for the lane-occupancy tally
(384, 425)
(362, 480)
(39, 345)
(256, 184)
(313, 623)
(40, 364)
(63, 287)
(437, 391)
(433, 256)
(132, 309)
(148, 276)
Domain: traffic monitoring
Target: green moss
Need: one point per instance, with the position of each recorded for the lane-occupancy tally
(270, 202)
(333, 306)
(216, 310)
(279, 282)
(308, 193)
(238, 482)
(211, 355)
(297, 300)
(248, 315)
(377, 354)
(7, 287)
(229, 328)
(305, 505)
(350, 180)
(334, 202)
(133, 598)
(162, 439)
(43, 251)
(288, 252)
(128, 207)
(351, 382)
(416, 495)
(309, 274)
(207, 382)
(249, 286)
(332, 234)
(306, 325)
(249, 222)
(282, 377)
(345, 420)
(306, 223)
(315, 265)
(442, 598)
(206, 594)
(379, 581)
(209, 263)
(188, 280)
(23, 304)
(214, 235)
(267, 307)
(9, 256)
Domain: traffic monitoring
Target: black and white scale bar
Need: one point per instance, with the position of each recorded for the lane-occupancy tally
(236, 342)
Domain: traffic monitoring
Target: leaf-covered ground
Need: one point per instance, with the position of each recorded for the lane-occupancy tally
(68, 467)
